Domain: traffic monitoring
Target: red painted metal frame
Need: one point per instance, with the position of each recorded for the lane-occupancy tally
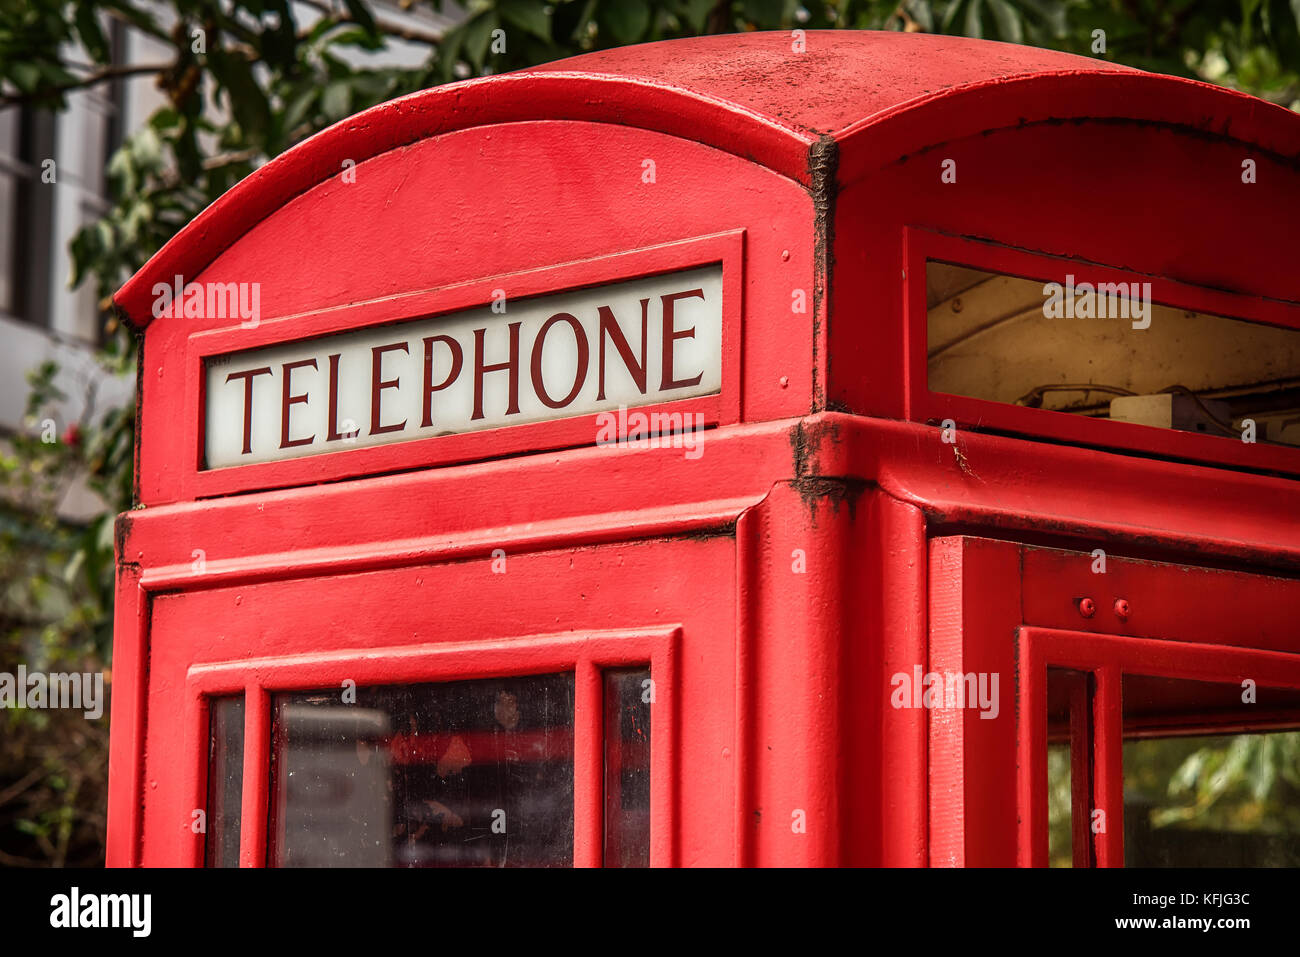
(1011, 486)
(971, 810)
(260, 545)
(876, 615)
(721, 199)
(1109, 658)
(1012, 609)
(584, 654)
(924, 405)
(782, 704)
(753, 636)
(1033, 155)
(239, 667)
(1081, 769)
(722, 408)
(1076, 733)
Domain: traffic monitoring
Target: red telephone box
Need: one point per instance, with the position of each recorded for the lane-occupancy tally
(599, 464)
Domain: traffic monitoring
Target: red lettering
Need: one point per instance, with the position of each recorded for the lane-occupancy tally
(512, 365)
(379, 384)
(584, 353)
(286, 371)
(457, 360)
(671, 335)
(334, 434)
(248, 401)
(609, 326)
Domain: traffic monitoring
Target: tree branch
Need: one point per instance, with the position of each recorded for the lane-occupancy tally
(389, 29)
(31, 778)
(92, 79)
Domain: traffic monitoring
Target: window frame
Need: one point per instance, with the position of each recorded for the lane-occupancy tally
(195, 480)
(30, 222)
(586, 654)
(923, 405)
(1109, 658)
(1014, 609)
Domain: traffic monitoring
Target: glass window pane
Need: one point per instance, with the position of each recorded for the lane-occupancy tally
(1207, 781)
(627, 767)
(225, 780)
(1060, 847)
(465, 773)
(1017, 341)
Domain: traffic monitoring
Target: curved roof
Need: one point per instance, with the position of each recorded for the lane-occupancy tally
(876, 94)
(841, 78)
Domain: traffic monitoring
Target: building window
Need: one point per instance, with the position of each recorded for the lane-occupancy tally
(27, 206)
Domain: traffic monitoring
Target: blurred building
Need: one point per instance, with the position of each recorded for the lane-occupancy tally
(41, 317)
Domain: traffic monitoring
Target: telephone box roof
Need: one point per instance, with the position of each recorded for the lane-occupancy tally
(849, 101)
(842, 78)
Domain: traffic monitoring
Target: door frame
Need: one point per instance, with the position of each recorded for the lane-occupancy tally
(1011, 609)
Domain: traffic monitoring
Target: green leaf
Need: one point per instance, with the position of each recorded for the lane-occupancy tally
(1184, 779)
(478, 35)
(580, 28)
(973, 27)
(146, 148)
(697, 13)
(299, 108)
(92, 35)
(247, 101)
(528, 15)
(279, 45)
(1264, 770)
(355, 36)
(449, 52)
(73, 567)
(25, 76)
(764, 14)
(361, 14)
(1008, 21)
(626, 20)
(950, 15)
(336, 101)
(1054, 17)
(54, 73)
(164, 118)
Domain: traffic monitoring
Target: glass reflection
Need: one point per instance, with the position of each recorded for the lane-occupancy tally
(456, 774)
(1206, 781)
(627, 768)
(225, 781)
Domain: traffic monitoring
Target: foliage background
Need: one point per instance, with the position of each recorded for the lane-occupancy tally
(269, 73)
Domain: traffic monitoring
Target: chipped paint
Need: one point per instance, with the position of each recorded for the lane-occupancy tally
(823, 162)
